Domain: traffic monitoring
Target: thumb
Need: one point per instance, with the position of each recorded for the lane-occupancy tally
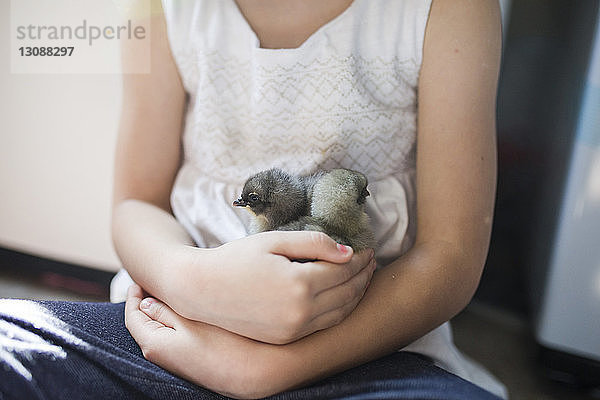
(311, 245)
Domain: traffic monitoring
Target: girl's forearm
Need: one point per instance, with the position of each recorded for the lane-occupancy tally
(248, 286)
(153, 247)
(405, 300)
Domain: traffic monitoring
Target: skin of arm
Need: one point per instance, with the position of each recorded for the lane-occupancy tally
(248, 286)
(147, 158)
(432, 282)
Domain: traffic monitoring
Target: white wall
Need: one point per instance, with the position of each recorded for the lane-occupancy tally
(57, 137)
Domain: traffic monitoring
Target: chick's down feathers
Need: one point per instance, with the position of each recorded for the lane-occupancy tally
(332, 202)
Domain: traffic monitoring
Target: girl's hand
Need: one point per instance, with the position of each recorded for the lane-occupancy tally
(204, 354)
(252, 286)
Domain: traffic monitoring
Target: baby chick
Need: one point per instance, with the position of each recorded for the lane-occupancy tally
(275, 198)
(338, 206)
(331, 202)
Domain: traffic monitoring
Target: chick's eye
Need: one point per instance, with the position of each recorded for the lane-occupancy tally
(363, 196)
(253, 197)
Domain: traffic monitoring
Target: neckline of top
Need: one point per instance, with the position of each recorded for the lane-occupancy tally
(306, 43)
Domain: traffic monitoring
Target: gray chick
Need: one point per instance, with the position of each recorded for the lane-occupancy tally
(275, 198)
(337, 208)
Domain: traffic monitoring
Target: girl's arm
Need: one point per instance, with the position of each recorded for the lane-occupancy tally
(248, 286)
(146, 236)
(456, 180)
(456, 164)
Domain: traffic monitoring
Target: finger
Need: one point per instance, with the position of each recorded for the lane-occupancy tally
(324, 275)
(333, 317)
(309, 245)
(336, 316)
(144, 329)
(135, 290)
(350, 292)
(160, 312)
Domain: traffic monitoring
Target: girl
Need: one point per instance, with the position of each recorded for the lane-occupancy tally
(402, 90)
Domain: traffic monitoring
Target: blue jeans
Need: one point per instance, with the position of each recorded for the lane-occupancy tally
(64, 350)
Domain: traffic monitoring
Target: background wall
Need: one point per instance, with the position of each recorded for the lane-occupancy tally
(546, 56)
(57, 137)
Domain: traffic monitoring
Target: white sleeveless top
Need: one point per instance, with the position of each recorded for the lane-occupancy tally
(346, 98)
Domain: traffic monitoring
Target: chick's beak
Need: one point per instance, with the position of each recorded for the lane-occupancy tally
(239, 203)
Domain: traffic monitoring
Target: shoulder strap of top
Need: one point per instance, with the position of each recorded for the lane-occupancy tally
(420, 10)
(401, 23)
